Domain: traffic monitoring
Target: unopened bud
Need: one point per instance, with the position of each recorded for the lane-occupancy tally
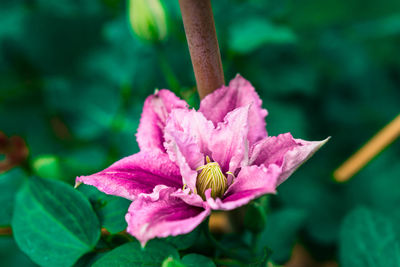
(148, 19)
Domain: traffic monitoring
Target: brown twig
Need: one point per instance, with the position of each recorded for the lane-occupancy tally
(201, 36)
(379, 142)
(5, 231)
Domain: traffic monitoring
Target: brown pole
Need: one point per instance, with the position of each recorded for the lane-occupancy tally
(201, 36)
(374, 146)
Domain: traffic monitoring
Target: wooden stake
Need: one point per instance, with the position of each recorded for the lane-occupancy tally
(202, 40)
(379, 142)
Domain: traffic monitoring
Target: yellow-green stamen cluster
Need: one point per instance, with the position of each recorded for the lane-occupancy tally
(211, 176)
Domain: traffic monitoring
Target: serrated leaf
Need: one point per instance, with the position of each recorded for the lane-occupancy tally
(131, 254)
(367, 238)
(53, 223)
(194, 260)
(9, 184)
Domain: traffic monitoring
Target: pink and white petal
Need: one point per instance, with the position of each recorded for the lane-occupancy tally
(188, 197)
(297, 156)
(272, 149)
(228, 144)
(161, 214)
(252, 182)
(193, 124)
(239, 93)
(186, 139)
(285, 151)
(184, 151)
(136, 174)
(156, 109)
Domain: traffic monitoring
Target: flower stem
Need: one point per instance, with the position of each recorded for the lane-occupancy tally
(202, 40)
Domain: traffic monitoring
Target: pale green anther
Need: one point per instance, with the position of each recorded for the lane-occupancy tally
(211, 176)
(148, 19)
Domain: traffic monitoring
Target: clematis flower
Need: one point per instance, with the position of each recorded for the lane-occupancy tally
(192, 162)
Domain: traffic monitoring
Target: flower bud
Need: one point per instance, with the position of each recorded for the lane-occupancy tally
(148, 19)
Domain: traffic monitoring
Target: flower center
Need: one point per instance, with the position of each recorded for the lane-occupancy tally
(211, 176)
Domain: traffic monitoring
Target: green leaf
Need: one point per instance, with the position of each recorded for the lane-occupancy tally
(10, 255)
(367, 238)
(280, 232)
(131, 254)
(194, 260)
(53, 223)
(184, 241)
(253, 33)
(111, 210)
(9, 184)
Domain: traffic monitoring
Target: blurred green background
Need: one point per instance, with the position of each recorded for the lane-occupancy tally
(74, 76)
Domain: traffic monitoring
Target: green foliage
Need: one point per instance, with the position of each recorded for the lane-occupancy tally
(254, 33)
(53, 223)
(368, 239)
(193, 260)
(11, 255)
(73, 78)
(181, 242)
(280, 233)
(189, 260)
(111, 210)
(255, 217)
(132, 254)
(10, 182)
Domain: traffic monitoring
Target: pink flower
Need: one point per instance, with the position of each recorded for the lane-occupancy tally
(192, 162)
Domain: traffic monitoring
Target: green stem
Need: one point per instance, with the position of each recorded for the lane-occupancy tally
(172, 80)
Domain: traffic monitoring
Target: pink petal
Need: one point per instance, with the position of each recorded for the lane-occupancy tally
(251, 182)
(187, 134)
(239, 93)
(285, 151)
(155, 113)
(228, 143)
(188, 197)
(161, 214)
(136, 174)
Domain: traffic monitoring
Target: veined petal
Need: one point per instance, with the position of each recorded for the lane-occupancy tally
(271, 149)
(155, 113)
(188, 197)
(239, 93)
(136, 174)
(251, 182)
(161, 214)
(296, 157)
(229, 145)
(285, 151)
(187, 134)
